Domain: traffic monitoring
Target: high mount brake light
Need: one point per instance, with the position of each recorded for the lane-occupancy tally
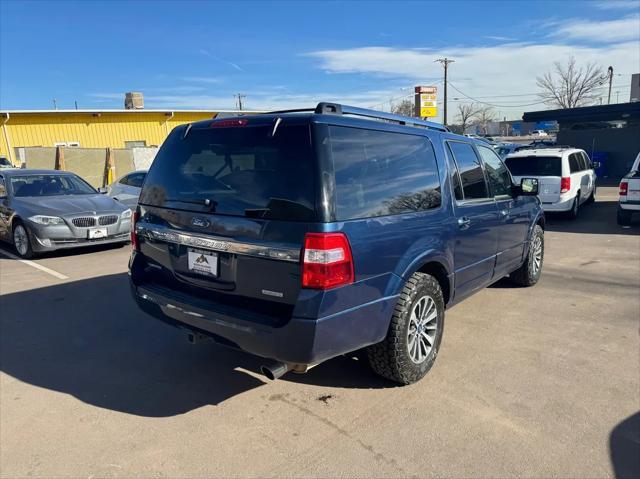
(565, 184)
(624, 188)
(229, 123)
(327, 261)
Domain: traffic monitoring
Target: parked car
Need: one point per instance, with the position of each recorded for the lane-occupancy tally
(302, 236)
(45, 210)
(539, 133)
(629, 194)
(566, 176)
(5, 163)
(505, 149)
(126, 189)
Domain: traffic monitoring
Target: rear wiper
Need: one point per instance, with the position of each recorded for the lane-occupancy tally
(196, 201)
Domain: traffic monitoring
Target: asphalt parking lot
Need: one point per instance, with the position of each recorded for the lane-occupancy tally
(534, 382)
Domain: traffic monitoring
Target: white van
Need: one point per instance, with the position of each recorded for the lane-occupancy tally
(629, 194)
(566, 176)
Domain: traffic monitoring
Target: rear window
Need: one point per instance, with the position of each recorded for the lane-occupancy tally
(239, 171)
(535, 165)
(382, 173)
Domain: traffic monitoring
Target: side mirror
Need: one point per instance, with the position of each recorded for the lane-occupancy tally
(103, 190)
(528, 187)
(596, 165)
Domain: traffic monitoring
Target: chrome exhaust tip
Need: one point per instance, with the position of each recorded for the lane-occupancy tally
(275, 370)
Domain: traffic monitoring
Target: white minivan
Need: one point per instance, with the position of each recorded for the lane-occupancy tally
(566, 176)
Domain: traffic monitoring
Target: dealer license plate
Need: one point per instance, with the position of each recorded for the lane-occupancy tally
(95, 233)
(203, 262)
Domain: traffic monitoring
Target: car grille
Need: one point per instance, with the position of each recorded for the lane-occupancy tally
(84, 222)
(107, 220)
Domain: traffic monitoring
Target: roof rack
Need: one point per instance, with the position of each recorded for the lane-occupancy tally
(325, 108)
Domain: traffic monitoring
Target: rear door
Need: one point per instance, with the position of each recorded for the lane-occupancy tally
(547, 169)
(225, 207)
(477, 218)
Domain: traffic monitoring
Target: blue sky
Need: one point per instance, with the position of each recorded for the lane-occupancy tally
(289, 54)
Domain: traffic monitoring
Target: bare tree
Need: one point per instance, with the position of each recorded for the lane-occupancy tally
(485, 116)
(569, 86)
(466, 113)
(405, 108)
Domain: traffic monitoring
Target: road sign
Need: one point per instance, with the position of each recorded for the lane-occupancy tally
(426, 101)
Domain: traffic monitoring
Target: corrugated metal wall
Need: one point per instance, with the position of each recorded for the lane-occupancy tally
(91, 130)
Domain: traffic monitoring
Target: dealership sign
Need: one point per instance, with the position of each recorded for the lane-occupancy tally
(426, 98)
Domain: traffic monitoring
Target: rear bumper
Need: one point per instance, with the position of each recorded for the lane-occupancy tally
(629, 205)
(300, 341)
(558, 206)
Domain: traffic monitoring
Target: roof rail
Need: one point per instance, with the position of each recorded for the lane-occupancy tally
(325, 108)
(338, 109)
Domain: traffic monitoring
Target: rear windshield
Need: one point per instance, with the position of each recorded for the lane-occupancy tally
(535, 165)
(240, 171)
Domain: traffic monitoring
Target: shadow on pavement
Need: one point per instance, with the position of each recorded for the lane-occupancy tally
(61, 253)
(624, 447)
(596, 218)
(88, 339)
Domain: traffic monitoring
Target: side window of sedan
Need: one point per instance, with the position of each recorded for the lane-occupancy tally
(136, 180)
(125, 180)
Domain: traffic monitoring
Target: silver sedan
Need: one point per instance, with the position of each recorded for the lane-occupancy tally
(45, 210)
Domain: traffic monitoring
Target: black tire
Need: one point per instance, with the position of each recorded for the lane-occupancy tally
(25, 252)
(592, 197)
(528, 274)
(575, 207)
(624, 217)
(391, 358)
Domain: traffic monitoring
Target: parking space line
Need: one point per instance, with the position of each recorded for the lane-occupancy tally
(35, 265)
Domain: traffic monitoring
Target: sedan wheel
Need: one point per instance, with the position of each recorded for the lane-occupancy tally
(21, 241)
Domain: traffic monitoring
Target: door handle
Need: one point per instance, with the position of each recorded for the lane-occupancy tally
(464, 222)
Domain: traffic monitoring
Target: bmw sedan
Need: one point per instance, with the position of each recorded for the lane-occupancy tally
(45, 210)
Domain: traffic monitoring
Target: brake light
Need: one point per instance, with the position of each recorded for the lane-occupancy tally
(565, 184)
(229, 123)
(624, 187)
(135, 246)
(327, 261)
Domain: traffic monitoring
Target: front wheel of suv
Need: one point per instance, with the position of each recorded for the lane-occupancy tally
(529, 273)
(413, 340)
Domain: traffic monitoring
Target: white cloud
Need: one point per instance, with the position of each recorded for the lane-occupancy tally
(597, 31)
(617, 4)
(499, 70)
(202, 79)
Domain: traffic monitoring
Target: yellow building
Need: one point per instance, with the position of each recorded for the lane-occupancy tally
(92, 128)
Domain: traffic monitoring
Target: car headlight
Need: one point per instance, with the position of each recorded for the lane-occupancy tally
(126, 214)
(47, 220)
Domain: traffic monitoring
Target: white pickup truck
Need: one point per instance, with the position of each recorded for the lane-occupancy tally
(629, 194)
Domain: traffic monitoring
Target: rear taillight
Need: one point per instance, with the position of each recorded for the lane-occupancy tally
(565, 184)
(326, 261)
(229, 123)
(135, 246)
(624, 187)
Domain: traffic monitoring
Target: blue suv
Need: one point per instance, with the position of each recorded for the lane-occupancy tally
(302, 235)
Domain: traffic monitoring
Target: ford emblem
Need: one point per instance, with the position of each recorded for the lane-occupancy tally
(200, 222)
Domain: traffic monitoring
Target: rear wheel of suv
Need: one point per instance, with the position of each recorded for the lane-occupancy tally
(573, 212)
(624, 217)
(415, 333)
(592, 197)
(529, 273)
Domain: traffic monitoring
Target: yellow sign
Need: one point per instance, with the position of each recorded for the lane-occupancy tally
(427, 101)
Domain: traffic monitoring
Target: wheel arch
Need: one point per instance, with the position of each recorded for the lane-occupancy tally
(437, 266)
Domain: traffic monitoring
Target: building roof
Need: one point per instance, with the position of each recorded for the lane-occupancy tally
(122, 110)
(618, 111)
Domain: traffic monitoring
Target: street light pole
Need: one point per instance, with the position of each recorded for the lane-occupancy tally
(445, 63)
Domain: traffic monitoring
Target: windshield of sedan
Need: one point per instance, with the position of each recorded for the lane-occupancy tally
(50, 185)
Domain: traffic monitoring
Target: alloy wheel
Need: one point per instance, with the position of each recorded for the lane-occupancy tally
(537, 255)
(21, 240)
(421, 333)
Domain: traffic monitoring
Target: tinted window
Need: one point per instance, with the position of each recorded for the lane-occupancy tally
(574, 163)
(4, 161)
(587, 161)
(136, 180)
(473, 184)
(50, 185)
(381, 173)
(497, 173)
(535, 165)
(454, 177)
(242, 171)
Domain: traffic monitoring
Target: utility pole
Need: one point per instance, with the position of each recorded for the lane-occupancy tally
(610, 73)
(239, 96)
(445, 63)
(76, 103)
(55, 104)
